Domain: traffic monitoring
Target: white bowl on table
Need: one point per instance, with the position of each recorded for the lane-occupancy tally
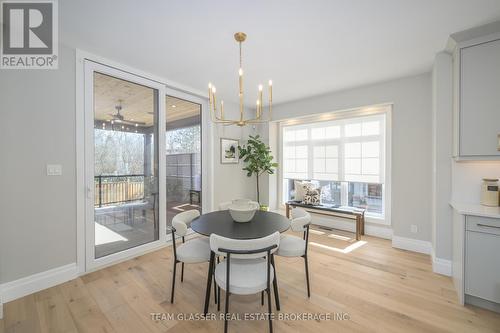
(243, 211)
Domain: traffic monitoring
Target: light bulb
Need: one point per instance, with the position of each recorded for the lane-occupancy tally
(136, 125)
(270, 82)
(210, 85)
(240, 72)
(221, 102)
(258, 102)
(214, 89)
(260, 87)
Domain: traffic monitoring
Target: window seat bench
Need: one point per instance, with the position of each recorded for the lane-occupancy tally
(343, 212)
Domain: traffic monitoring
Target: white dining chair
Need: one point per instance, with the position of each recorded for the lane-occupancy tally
(193, 251)
(225, 205)
(248, 268)
(293, 246)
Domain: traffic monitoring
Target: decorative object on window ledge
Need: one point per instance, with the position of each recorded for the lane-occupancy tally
(312, 196)
(219, 118)
(257, 155)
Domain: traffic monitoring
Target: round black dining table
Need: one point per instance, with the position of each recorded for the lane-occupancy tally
(221, 223)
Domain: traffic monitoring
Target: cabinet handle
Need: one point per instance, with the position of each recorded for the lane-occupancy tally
(487, 226)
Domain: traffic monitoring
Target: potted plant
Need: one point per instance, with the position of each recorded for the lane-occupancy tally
(257, 156)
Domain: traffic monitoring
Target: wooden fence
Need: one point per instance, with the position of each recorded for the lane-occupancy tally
(118, 189)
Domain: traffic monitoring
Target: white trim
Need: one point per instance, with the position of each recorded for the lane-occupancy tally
(90, 67)
(386, 153)
(81, 56)
(440, 266)
(39, 281)
(80, 161)
(410, 244)
(360, 111)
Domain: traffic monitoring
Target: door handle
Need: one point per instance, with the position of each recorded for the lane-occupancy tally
(488, 226)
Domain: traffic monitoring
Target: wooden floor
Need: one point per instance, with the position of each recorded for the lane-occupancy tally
(379, 288)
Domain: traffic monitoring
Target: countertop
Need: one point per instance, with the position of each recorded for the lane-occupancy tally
(476, 209)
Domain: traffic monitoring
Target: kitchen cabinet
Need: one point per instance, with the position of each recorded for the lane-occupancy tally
(482, 247)
(476, 247)
(477, 100)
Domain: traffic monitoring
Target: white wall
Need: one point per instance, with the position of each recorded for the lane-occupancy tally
(269, 134)
(38, 213)
(442, 135)
(231, 181)
(411, 142)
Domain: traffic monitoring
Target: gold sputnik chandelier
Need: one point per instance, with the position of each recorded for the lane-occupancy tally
(218, 116)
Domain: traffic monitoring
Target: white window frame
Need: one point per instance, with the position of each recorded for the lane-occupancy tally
(168, 87)
(385, 152)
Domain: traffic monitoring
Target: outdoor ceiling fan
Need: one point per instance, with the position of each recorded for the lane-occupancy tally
(119, 118)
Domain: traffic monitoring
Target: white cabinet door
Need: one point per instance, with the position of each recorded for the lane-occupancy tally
(480, 99)
(482, 267)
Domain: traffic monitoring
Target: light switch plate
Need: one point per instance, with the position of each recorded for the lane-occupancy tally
(54, 169)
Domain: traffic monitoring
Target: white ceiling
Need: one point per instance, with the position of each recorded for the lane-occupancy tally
(306, 47)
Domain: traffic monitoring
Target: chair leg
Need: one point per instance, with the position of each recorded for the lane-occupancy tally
(218, 299)
(182, 273)
(269, 309)
(226, 312)
(209, 282)
(275, 286)
(307, 277)
(262, 297)
(215, 289)
(173, 283)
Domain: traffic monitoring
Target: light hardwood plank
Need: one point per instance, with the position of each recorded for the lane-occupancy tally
(380, 288)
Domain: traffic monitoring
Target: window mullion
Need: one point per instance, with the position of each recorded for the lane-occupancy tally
(310, 163)
(343, 184)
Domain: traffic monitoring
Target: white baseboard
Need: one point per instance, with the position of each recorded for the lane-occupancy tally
(36, 282)
(411, 244)
(440, 266)
(31, 284)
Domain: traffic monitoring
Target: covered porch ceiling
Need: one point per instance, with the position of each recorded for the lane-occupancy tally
(137, 105)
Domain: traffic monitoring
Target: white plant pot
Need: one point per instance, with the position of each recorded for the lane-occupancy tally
(243, 211)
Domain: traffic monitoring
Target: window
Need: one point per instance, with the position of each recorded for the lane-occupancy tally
(344, 157)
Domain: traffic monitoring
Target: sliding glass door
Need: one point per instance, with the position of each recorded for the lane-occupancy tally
(123, 118)
(183, 143)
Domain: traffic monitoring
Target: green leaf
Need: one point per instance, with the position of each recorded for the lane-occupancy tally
(257, 157)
